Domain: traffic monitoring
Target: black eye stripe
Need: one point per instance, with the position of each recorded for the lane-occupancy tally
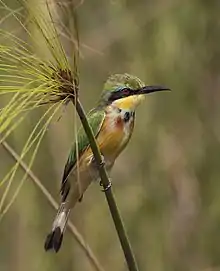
(118, 94)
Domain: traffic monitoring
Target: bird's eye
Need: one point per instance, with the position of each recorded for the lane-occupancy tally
(126, 91)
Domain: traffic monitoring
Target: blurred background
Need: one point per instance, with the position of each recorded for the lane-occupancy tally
(167, 181)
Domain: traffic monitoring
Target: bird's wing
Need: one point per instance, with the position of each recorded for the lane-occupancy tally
(95, 119)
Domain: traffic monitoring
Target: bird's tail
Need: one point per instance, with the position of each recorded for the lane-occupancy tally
(55, 237)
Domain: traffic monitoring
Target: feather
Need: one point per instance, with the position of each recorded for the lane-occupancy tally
(95, 119)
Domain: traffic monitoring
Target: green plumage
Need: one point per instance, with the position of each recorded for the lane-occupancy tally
(95, 118)
(119, 80)
(117, 87)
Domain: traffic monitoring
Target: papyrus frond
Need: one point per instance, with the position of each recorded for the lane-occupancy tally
(35, 71)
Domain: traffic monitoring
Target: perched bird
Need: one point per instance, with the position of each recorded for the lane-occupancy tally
(112, 122)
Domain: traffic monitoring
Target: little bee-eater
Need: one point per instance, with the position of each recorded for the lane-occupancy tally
(112, 122)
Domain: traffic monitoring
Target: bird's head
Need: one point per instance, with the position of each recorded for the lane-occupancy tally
(126, 91)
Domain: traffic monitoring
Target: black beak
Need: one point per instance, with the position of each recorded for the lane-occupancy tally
(150, 89)
(126, 92)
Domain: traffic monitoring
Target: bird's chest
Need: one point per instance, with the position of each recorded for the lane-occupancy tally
(116, 132)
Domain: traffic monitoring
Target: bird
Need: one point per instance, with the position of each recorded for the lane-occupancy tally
(112, 123)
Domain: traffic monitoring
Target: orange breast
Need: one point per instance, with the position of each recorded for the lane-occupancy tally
(113, 139)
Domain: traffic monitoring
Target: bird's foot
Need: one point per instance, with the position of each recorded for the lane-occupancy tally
(101, 164)
(105, 187)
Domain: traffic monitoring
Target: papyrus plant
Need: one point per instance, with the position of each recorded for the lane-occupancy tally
(35, 71)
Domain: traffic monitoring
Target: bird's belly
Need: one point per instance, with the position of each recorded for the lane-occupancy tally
(111, 142)
(84, 173)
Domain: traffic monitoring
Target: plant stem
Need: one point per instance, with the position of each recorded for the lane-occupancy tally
(125, 244)
(78, 237)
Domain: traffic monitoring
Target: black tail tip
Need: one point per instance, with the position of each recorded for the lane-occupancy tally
(54, 240)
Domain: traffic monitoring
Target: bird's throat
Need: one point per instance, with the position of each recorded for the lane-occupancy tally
(119, 118)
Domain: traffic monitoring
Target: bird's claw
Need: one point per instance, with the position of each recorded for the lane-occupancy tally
(105, 188)
(102, 162)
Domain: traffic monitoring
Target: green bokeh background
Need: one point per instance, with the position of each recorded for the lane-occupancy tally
(167, 181)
